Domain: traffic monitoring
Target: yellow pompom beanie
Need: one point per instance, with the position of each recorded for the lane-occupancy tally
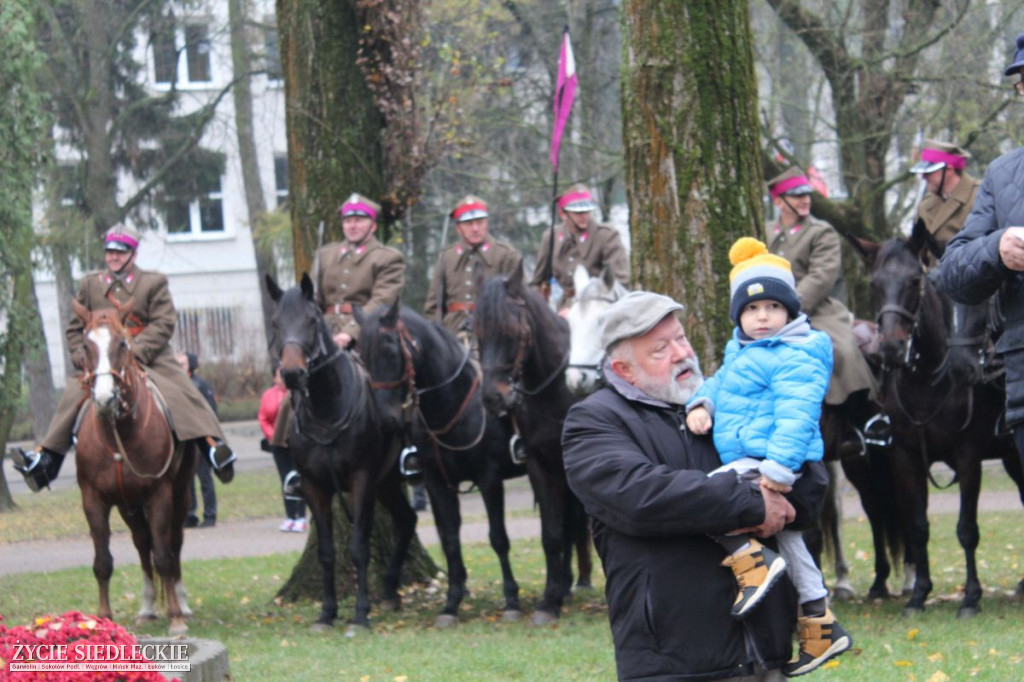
(757, 275)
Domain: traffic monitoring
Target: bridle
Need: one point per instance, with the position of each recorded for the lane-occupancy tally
(910, 354)
(411, 405)
(517, 382)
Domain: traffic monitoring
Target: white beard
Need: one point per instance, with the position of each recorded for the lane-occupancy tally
(674, 392)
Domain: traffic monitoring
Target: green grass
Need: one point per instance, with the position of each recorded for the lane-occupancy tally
(233, 601)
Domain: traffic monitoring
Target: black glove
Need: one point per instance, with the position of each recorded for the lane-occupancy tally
(265, 445)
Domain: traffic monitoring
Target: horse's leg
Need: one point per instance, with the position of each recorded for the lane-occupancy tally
(444, 503)
(492, 490)
(583, 543)
(913, 502)
(1012, 464)
(97, 513)
(967, 533)
(392, 495)
(363, 488)
(319, 502)
(159, 515)
(551, 492)
(842, 590)
(182, 491)
(860, 472)
(135, 519)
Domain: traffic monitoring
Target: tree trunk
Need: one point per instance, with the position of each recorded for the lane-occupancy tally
(305, 581)
(255, 202)
(334, 148)
(334, 129)
(691, 137)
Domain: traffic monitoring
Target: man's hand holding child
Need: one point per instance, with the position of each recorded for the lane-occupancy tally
(698, 421)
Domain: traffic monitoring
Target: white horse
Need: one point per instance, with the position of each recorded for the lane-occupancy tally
(593, 296)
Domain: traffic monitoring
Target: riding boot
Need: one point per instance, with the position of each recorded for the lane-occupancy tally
(222, 458)
(39, 467)
(419, 498)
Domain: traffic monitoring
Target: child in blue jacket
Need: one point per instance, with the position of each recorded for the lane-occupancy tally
(765, 402)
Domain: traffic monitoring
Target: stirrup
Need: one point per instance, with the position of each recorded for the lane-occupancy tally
(32, 466)
(517, 449)
(291, 486)
(877, 430)
(409, 462)
(220, 454)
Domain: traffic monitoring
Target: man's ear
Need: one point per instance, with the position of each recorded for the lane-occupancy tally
(623, 369)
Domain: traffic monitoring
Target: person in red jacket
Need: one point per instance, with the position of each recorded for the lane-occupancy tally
(270, 407)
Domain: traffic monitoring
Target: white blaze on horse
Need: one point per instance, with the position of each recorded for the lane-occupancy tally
(594, 296)
(128, 457)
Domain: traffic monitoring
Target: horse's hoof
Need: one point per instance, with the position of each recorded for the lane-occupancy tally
(544, 618)
(321, 627)
(879, 594)
(178, 627)
(144, 618)
(445, 621)
(842, 594)
(391, 605)
(909, 611)
(354, 630)
(584, 587)
(967, 612)
(511, 615)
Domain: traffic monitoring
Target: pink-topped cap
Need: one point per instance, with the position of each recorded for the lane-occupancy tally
(359, 205)
(793, 185)
(938, 156)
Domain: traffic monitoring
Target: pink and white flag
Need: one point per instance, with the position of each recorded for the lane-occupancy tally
(565, 93)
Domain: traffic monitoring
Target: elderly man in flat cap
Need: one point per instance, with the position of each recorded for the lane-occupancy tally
(813, 248)
(950, 189)
(151, 325)
(452, 295)
(358, 271)
(986, 258)
(642, 477)
(578, 240)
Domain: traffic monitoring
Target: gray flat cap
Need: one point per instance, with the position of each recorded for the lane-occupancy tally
(635, 314)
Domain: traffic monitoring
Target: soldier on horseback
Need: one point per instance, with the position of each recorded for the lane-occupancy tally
(151, 325)
(813, 248)
(452, 295)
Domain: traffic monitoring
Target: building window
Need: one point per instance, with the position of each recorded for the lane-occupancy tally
(172, 43)
(271, 53)
(69, 186)
(207, 332)
(204, 215)
(281, 178)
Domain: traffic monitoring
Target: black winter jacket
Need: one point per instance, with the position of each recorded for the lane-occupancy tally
(972, 271)
(642, 477)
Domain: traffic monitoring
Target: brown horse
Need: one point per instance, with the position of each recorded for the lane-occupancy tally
(128, 457)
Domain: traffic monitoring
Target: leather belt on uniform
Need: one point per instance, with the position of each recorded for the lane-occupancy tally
(338, 309)
(467, 307)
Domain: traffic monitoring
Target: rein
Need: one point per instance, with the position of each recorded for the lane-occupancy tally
(517, 380)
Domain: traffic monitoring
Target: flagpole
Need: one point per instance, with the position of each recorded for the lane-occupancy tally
(565, 92)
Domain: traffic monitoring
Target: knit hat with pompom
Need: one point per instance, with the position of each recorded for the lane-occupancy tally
(757, 275)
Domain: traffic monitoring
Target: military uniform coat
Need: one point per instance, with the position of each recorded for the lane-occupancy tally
(945, 218)
(594, 249)
(453, 277)
(153, 311)
(370, 275)
(813, 249)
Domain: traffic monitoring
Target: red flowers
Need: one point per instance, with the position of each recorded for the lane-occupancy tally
(71, 639)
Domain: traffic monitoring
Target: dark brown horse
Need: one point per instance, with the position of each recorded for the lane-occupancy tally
(127, 457)
(340, 443)
(944, 399)
(524, 351)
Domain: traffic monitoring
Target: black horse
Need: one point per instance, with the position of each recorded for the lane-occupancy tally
(340, 443)
(424, 380)
(524, 351)
(944, 399)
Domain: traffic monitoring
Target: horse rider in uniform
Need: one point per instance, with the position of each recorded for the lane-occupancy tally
(150, 327)
(950, 191)
(579, 240)
(358, 271)
(813, 248)
(452, 294)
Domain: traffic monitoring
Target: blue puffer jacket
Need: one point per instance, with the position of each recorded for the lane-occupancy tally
(972, 271)
(766, 399)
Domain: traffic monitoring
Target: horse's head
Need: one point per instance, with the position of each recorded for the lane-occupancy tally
(910, 309)
(593, 297)
(299, 336)
(387, 348)
(108, 357)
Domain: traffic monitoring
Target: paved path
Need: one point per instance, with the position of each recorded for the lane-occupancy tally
(261, 537)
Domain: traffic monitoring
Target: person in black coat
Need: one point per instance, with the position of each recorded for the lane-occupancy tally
(987, 257)
(642, 477)
(204, 472)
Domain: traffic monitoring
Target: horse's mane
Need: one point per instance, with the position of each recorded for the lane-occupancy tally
(494, 313)
(892, 248)
(442, 347)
